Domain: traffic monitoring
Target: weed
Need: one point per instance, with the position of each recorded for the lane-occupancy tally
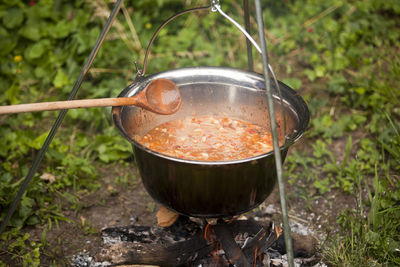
(356, 67)
(343, 55)
(20, 249)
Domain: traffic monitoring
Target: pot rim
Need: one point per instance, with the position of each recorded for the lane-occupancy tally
(140, 83)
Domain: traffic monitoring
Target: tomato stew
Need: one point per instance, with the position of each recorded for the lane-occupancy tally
(208, 138)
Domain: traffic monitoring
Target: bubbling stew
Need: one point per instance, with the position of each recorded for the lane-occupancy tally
(208, 138)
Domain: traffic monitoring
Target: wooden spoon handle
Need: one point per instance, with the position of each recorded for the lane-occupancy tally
(57, 105)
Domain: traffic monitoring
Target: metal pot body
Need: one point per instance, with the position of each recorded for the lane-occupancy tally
(201, 190)
(212, 189)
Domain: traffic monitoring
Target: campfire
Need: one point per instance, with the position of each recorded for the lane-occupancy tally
(199, 242)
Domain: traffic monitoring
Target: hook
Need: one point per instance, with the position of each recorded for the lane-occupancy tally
(138, 71)
(215, 5)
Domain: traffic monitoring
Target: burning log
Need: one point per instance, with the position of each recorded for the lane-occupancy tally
(228, 244)
(156, 254)
(175, 245)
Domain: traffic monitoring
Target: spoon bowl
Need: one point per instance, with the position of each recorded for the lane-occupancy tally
(162, 96)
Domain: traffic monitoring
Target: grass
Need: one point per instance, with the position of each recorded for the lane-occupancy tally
(357, 115)
(341, 56)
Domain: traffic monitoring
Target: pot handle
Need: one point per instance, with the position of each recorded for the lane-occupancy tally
(215, 6)
(143, 72)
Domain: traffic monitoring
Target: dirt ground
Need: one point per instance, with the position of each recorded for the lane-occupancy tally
(120, 204)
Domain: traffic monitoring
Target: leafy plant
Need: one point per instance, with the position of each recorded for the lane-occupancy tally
(349, 51)
(20, 249)
(342, 56)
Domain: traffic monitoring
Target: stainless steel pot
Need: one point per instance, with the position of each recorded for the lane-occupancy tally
(211, 189)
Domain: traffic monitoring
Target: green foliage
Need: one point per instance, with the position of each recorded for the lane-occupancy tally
(377, 235)
(349, 50)
(341, 55)
(43, 45)
(23, 251)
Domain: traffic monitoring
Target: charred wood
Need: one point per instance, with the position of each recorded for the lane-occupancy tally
(241, 243)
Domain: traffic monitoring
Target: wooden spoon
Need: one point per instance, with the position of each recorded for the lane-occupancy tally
(160, 96)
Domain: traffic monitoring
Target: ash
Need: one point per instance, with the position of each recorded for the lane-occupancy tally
(83, 259)
(281, 261)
